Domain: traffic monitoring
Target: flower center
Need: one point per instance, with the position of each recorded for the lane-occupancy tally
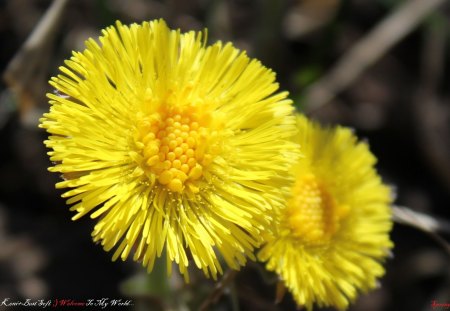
(176, 147)
(313, 214)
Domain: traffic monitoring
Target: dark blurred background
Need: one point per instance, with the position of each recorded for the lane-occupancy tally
(390, 85)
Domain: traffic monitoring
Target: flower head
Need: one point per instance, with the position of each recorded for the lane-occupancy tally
(171, 144)
(333, 232)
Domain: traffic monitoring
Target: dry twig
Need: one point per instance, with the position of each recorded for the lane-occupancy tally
(25, 73)
(369, 49)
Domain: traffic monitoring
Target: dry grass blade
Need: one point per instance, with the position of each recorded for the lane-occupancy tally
(426, 223)
(422, 221)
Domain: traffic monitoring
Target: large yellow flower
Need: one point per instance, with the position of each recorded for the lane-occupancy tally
(333, 233)
(172, 145)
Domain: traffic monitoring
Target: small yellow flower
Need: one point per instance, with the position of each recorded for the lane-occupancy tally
(333, 233)
(173, 146)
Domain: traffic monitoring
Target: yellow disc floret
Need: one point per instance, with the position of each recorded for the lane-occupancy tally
(312, 212)
(332, 236)
(175, 146)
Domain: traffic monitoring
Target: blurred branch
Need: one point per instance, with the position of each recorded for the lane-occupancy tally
(423, 222)
(220, 287)
(259, 302)
(25, 74)
(280, 291)
(368, 50)
(308, 16)
(432, 114)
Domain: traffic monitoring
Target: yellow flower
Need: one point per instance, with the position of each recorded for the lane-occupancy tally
(171, 144)
(333, 233)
